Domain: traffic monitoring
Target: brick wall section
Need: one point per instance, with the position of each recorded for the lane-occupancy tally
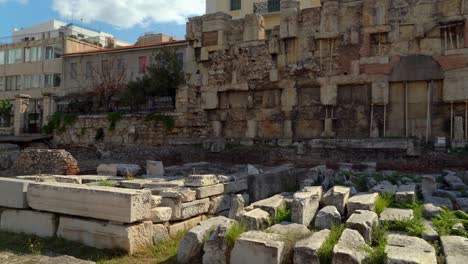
(451, 62)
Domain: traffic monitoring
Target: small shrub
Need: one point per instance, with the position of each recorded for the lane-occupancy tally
(105, 183)
(113, 118)
(282, 215)
(377, 250)
(383, 201)
(35, 247)
(325, 252)
(58, 122)
(234, 233)
(167, 120)
(444, 222)
(414, 226)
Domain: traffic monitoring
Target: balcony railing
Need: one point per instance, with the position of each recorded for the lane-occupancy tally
(269, 6)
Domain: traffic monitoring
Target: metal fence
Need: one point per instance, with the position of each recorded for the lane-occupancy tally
(269, 6)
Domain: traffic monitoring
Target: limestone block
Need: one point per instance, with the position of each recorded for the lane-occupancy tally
(207, 191)
(251, 129)
(384, 187)
(455, 182)
(104, 235)
(305, 205)
(327, 217)
(216, 247)
(219, 203)
(396, 214)
(204, 55)
(181, 194)
(288, 99)
(337, 196)
(29, 222)
(273, 46)
(430, 210)
(176, 228)
(118, 169)
(182, 211)
(114, 204)
(258, 247)
(291, 230)
(455, 249)
(273, 75)
(306, 250)
(363, 221)
(236, 186)
(161, 214)
(362, 201)
(328, 94)
(459, 129)
(256, 219)
(13, 193)
(380, 92)
(190, 248)
(406, 193)
(209, 100)
(462, 203)
(254, 27)
(155, 168)
(429, 234)
(160, 234)
(271, 205)
(350, 248)
(201, 180)
(134, 184)
(406, 249)
(237, 206)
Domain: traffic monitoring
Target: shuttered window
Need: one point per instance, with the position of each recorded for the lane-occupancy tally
(236, 5)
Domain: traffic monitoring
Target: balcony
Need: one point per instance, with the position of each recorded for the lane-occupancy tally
(270, 6)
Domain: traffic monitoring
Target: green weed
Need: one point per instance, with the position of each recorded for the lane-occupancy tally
(282, 215)
(325, 252)
(383, 201)
(444, 222)
(376, 250)
(234, 233)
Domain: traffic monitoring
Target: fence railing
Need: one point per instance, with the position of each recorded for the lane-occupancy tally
(269, 6)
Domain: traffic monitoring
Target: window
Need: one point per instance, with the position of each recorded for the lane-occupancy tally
(453, 36)
(143, 64)
(2, 88)
(120, 66)
(379, 44)
(52, 80)
(33, 54)
(89, 70)
(2, 57)
(236, 5)
(73, 70)
(14, 56)
(31, 81)
(13, 83)
(53, 52)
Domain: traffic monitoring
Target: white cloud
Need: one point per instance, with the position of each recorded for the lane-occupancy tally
(128, 13)
(19, 1)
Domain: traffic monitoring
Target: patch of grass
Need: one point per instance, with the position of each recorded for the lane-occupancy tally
(234, 233)
(282, 215)
(325, 252)
(105, 183)
(383, 201)
(113, 118)
(379, 241)
(414, 226)
(444, 222)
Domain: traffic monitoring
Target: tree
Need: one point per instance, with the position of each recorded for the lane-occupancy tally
(108, 83)
(5, 111)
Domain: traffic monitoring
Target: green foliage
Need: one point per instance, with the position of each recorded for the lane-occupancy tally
(59, 122)
(35, 246)
(113, 118)
(383, 201)
(234, 233)
(167, 120)
(282, 215)
(325, 252)
(414, 226)
(99, 134)
(444, 222)
(105, 183)
(5, 108)
(377, 250)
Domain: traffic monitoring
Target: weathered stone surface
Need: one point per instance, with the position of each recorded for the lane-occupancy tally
(154, 168)
(104, 235)
(429, 234)
(155, 201)
(216, 249)
(207, 191)
(236, 186)
(327, 217)
(439, 201)
(350, 248)
(406, 249)
(291, 230)
(455, 249)
(107, 203)
(49, 258)
(183, 226)
(362, 201)
(306, 250)
(462, 204)
(237, 206)
(118, 169)
(29, 222)
(134, 184)
(363, 221)
(219, 203)
(190, 248)
(396, 214)
(160, 233)
(201, 180)
(181, 194)
(45, 161)
(182, 211)
(259, 247)
(256, 219)
(8, 154)
(337, 196)
(52, 178)
(305, 205)
(406, 193)
(161, 214)
(273, 181)
(384, 187)
(271, 205)
(455, 182)
(13, 193)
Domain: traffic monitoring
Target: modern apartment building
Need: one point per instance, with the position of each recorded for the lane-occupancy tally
(270, 9)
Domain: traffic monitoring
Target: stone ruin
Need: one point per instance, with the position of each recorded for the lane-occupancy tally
(119, 211)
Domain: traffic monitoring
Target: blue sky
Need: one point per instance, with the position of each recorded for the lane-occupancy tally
(125, 19)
